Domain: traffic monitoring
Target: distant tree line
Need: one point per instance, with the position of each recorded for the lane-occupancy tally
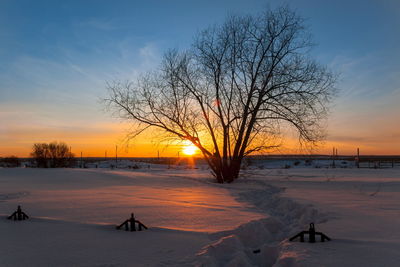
(52, 155)
(10, 162)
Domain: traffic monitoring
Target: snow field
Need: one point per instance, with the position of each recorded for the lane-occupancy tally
(195, 222)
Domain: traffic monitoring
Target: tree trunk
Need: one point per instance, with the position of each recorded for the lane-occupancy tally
(225, 173)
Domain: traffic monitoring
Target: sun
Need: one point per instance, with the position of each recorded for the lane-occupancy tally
(189, 150)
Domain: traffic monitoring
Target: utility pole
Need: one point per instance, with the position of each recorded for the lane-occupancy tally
(333, 157)
(358, 158)
(116, 156)
(81, 160)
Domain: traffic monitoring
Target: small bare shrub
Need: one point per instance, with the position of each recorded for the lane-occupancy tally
(52, 155)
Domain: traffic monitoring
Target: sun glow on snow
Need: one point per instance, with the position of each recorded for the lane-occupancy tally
(189, 150)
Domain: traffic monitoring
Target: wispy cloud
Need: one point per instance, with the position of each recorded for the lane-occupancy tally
(100, 24)
(149, 54)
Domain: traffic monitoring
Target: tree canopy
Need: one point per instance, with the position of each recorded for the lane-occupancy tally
(52, 155)
(233, 90)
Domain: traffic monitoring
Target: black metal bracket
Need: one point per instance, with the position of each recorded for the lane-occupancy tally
(311, 235)
(130, 224)
(18, 215)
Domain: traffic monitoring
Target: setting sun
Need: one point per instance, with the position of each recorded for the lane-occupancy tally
(189, 150)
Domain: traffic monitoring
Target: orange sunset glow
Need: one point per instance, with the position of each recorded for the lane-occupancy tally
(96, 140)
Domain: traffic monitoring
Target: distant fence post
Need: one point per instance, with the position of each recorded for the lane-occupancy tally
(116, 156)
(358, 158)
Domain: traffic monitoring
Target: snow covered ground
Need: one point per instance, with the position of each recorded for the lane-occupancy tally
(195, 222)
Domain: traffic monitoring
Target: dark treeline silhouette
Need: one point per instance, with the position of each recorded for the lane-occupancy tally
(52, 155)
(10, 162)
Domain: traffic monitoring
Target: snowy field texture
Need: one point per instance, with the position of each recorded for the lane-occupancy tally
(195, 222)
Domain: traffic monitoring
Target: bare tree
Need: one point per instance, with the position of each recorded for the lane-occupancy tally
(52, 155)
(237, 87)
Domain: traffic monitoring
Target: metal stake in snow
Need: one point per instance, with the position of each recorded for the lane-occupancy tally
(131, 222)
(18, 215)
(311, 235)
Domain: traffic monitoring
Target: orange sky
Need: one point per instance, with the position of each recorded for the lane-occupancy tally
(94, 139)
(374, 127)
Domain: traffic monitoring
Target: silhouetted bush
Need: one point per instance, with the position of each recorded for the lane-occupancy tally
(308, 162)
(52, 155)
(10, 162)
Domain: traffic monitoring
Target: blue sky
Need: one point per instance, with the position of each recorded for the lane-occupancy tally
(57, 55)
